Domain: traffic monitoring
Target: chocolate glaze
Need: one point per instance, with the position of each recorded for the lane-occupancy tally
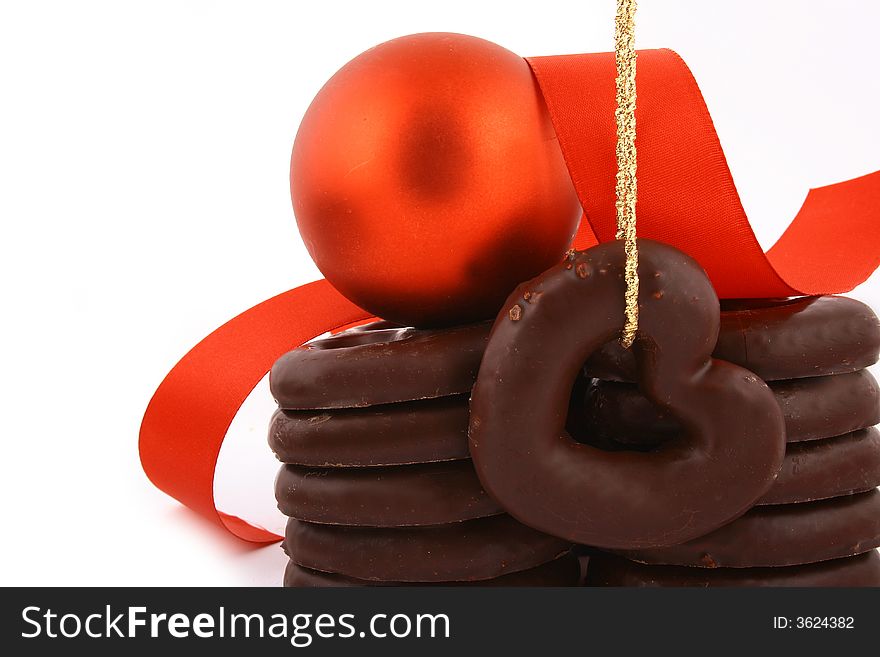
(683, 489)
(564, 571)
(822, 469)
(465, 551)
(860, 570)
(778, 339)
(818, 469)
(393, 434)
(401, 496)
(813, 408)
(366, 367)
(784, 535)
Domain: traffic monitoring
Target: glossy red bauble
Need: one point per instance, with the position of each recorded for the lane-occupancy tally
(427, 181)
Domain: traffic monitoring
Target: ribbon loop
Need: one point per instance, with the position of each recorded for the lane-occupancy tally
(687, 197)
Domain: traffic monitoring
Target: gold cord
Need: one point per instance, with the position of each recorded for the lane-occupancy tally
(625, 115)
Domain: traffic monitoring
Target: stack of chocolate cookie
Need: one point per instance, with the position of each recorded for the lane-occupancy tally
(378, 482)
(819, 524)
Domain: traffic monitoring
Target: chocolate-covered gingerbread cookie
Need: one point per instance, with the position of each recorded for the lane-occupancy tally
(564, 571)
(860, 570)
(821, 469)
(422, 431)
(686, 487)
(400, 496)
(365, 367)
(784, 535)
(464, 551)
(777, 339)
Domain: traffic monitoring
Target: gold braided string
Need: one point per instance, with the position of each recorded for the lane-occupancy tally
(625, 115)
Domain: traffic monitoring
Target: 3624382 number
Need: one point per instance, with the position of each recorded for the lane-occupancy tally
(824, 622)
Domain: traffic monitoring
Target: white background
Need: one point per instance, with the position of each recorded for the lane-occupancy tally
(144, 200)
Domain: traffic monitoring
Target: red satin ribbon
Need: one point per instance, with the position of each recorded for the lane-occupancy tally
(686, 193)
(686, 198)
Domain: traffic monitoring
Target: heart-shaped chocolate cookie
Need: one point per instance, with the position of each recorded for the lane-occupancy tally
(733, 439)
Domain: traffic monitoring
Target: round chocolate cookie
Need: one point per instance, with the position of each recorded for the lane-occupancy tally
(465, 551)
(784, 535)
(813, 408)
(367, 367)
(777, 339)
(860, 570)
(423, 431)
(401, 496)
(684, 488)
(564, 571)
(823, 469)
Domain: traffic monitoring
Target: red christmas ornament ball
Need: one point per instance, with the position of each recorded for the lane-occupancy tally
(427, 181)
